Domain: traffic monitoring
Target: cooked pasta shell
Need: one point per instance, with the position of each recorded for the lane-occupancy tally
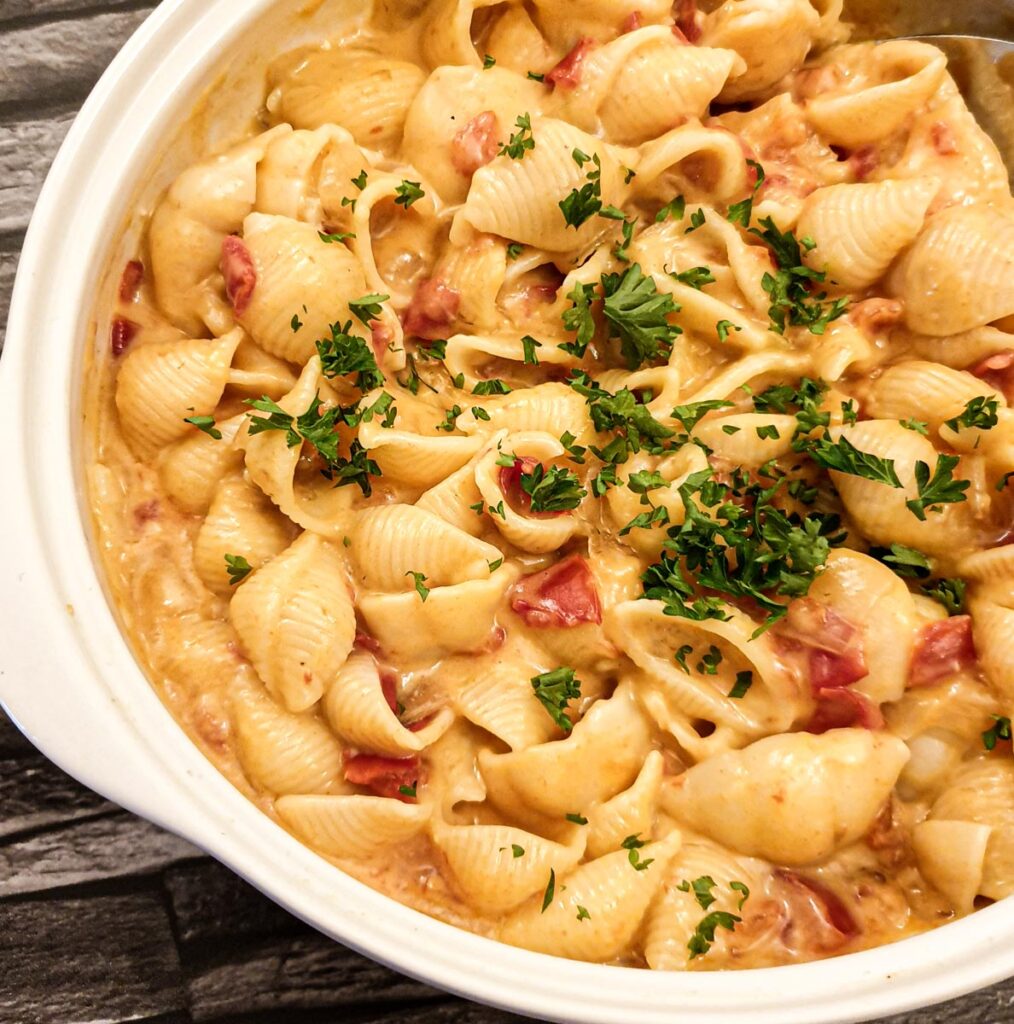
(888, 84)
(445, 108)
(476, 269)
(356, 827)
(879, 510)
(392, 542)
(520, 199)
(984, 794)
(749, 438)
(281, 752)
(454, 773)
(553, 408)
(649, 637)
(773, 37)
(368, 94)
(552, 778)
(527, 532)
(297, 273)
(191, 469)
(993, 627)
(860, 229)
(614, 895)
(959, 274)
(877, 602)
(256, 373)
(297, 621)
(161, 384)
(357, 710)
(204, 204)
(471, 356)
(951, 855)
(492, 874)
(700, 163)
(643, 84)
(451, 619)
(242, 522)
(288, 178)
(793, 799)
(630, 813)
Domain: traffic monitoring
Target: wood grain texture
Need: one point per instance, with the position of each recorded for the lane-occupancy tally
(103, 917)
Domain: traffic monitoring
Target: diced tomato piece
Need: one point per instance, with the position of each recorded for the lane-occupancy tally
(998, 372)
(818, 921)
(943, 138)
(389, 688)
(476, 144)
(864, 162)
(835, 645)
(685, 13)
(567, 74)
(384, 775)
(239, 272)
(123, 332)
(133, 275)
(560, 597)
(828, 670)
(367, 642)
(631, 23)
(433, 308)
(872, 316)
(839, 707)
(941, 649)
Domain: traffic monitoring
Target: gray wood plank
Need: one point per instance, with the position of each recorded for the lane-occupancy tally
(34, 793)
(58, 62)
(110, 847)
(27, 149)
(85, 961)
(42, 10)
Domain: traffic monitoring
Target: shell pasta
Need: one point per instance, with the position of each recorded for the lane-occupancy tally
(559, 467)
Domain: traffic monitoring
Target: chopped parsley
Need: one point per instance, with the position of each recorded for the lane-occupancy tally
(744, 680)
(419, 579)
(939, 489)
(360, 180)
(368, 308)
(555, 490)
(582, 913)
(345, 353)
(676, 208)
(622, 249)
(450, 422)
(690, 415)
(702, 889)
(742, 213)
(695, 277)
(547, 899)
(791, 287)
(637, 314)
(697, 220)
(917, 426)
(518, 851)
(521, 141)
(488, 62)
(904, 561)
(296, 324)
(238, 569)
(334, 238)
(583, 203)
(680, 657)
(1000, 730)
(514, 250)
(577, 819)
(768, 432)
(580, 319)
(849, 412)
(529, 345)
(205, 424)
(633, 846)
(844, 457)
(704, 936)
(980, 413)
(949, 592)
(555, 690)
(724, 327)
(409, 193)
(409, 791)
(536, 76)
(491, 387)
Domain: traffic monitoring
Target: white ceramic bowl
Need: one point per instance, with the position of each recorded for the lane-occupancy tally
(69, 679)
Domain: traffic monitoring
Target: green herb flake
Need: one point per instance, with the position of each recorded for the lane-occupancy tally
(676, 209)
(680, 657)
(205, 424)
(577, 819)
(419, 579)
(744, 680)
(979, 413)
(702, 889)
(345, 353)
(939, 489)
(334, 238)
(555, 690)
(547, 899)
(489, 61)
(1000, 730)
(238, 569)
(638, 315)
(917, 426)
(529, 345)
(949, 592)
(521, 141)
(518, 851)
(368, 308)
(582, 913)
(723, 329)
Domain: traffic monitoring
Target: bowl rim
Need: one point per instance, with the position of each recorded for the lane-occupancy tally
(70, 681)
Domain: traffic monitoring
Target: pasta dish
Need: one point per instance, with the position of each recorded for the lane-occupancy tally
(558, 465)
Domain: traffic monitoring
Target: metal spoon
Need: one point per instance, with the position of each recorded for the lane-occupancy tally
(983, 69)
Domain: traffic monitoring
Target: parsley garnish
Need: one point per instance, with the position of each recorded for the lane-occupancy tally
(360, 180)
(741, 888)
(536, 76)
(790, 288)
(488, 62)
(555, 690)
(450, 422)
(744, 680)
(419, 579)
(582, 913)
(579, 318)
(918, 426)
(238, 568)
(849, 412)
(557, 490)
(529, 345)
(295, 323)
(844, 457)
(409, 193)
(701, 888)
(742, 213)
(697, 220)
(514, 250)
(904, 561)
(409, 791)
(680, 657)
(633, 845)
(577, 819)
(703, 938)
(1001, 730)
(521, 141)
(206, 424)
(637, 314)
(723, 327)
(344, 353)
(695, 277)
(949, 592)
(677, 209)
(547, 899)
(980, 413)
(518, 851)
(583, 203)
(368, 308)
(335, 237)
(491, 387)
(708, 665)
(690, 415)
(940, 489)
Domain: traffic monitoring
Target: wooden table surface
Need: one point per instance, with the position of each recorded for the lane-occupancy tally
(103, 917)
